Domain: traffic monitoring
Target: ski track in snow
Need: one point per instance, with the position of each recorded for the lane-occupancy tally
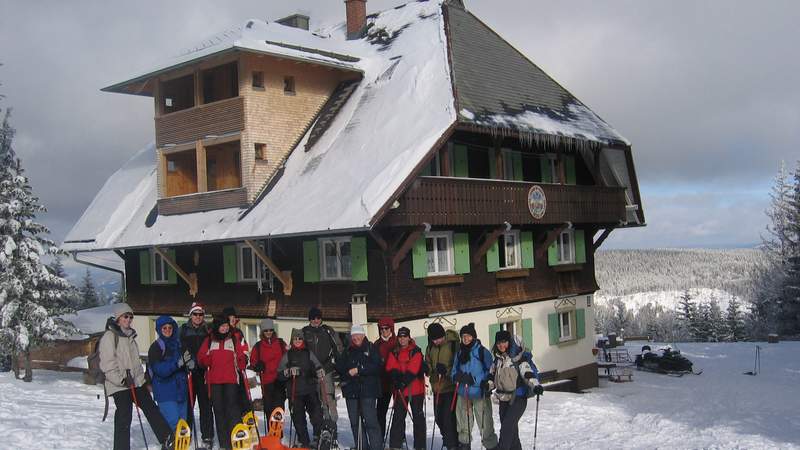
(720, 409)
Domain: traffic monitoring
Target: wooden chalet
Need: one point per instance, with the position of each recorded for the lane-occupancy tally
(411, 163)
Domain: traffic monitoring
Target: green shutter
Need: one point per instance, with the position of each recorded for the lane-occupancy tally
(492, 164)
(517, 160)
(172, 277)
(419, 258)
(311, 261)
(545, 166)
(358, 258)
(580, 323)
(230, 260)
(461, 251)
(493, 258)
(552, 254)
(580, 247)
(552, 328)
(527, 333)
(493, 329)
(569, 163)
(461, 162)
(526, 248)
(422, 343)
(144, 266)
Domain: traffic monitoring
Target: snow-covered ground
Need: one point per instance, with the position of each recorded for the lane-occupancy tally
(722, 408)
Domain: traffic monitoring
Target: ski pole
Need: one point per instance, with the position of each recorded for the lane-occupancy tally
(435, 408)
(291, 410)
(192, 428)
(453, 401)
(536, 422)
(389, 424)
(132, 387)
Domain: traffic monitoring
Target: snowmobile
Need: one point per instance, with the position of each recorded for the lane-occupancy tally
(670, 362)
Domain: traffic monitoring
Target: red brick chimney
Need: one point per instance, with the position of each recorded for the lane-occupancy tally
(356, 18)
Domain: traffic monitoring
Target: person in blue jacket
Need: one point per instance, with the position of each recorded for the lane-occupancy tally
(471, 367)
(168, 365)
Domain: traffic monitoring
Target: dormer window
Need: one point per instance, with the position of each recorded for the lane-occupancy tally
(288, 85)
(258, 79)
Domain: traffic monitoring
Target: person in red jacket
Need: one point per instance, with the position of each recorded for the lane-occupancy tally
(264, 359)
(223, 356)
(385, 343)
(404, 366)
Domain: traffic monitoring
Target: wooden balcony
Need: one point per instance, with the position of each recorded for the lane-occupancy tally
(202, 201)
(218, 118)
(469, 201)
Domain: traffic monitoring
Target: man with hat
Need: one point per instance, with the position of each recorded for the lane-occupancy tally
(325, 344)
(439, 356)
(229, 312)
(191, 335)
(359, 368)
(264, 360)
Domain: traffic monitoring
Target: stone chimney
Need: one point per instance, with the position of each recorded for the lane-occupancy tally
(356, 18)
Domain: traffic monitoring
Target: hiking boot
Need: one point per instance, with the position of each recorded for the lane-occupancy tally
(208, 443)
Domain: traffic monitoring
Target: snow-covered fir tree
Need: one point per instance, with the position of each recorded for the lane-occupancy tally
(717, 324)
(734, 324)
(687, 313)
(87, 293)
(31, 297)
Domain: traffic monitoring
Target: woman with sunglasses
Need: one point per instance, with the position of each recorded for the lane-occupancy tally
(302, 372)
(192, 334)
(125, 380)
(385, 343)
(264, 360)
(168, 364)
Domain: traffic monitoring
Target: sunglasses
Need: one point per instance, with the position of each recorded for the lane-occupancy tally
(386, 328)
(199, 314)
(127, 316)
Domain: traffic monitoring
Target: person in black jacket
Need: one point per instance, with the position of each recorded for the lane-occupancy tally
(302, 372)
(324, 342)
(359, 367)
(192, 334)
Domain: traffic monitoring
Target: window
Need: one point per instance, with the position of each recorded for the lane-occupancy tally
(261, 152)
(508, 245)
(565, 246)
(439, 250)
(177, 94)
(160, 268)
(288, 85)
(513, 327)
(172, 166)
(249, 264)
(565, 326)
(335, 259)
(258, 80)
(508, 165)
(220, 82)
(550, 170)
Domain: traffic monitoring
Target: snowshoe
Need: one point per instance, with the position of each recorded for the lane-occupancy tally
(327, 438)
(183, 436)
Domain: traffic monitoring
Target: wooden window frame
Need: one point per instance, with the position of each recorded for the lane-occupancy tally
(323, 276)
(517, 250)
(560, 247)
(570, 315)
(164, 268)
(257, 80)
(448, 236)
(289, 85)
(552, 164)
(256, 264)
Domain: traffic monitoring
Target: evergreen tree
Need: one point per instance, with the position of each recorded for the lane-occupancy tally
(734, 326)
(31, 297)
(716, 325)
(687, 312)
(87, 293)
(701, 324)
(56, 267)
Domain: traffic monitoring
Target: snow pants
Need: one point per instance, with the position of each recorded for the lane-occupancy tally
(362, 410)
(481, 410)
(510, 414)
(446, 419)
(301, 405)
(398, 429)
(200, 392)
(226, 400)
(273, 395)
(173, 411)
(124, 415)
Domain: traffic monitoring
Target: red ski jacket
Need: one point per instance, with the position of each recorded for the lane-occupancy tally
(224, 360)
(408, 361)
(384, 348)
(269, 352)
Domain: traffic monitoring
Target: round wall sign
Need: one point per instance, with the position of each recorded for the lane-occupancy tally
(537, 202)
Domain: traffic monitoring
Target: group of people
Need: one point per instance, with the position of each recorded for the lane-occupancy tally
(206, 365)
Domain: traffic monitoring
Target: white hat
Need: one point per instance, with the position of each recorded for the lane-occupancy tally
(196, 306)
(357, 329)
(120, 309)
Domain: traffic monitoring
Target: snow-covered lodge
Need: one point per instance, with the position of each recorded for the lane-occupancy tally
(410, 163)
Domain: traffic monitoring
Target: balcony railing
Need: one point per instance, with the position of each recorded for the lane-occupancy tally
(218, 118)
(202, 201)
(469, 201)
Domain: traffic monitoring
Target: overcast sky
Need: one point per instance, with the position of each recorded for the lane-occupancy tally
(706, 92)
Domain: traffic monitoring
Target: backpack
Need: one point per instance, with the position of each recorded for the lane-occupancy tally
(149, 370)
(93, 361)
(522, 363)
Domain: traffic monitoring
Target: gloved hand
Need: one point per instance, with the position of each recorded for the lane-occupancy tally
(396, 376)
(190, 364)
(538, 390)
(291, 372)
(529, 375)
(187, 356)
(441, 369)
(180, 363)
(487, 386)
(464, 378)
(128, 380)
(320, 374)
(258, 367)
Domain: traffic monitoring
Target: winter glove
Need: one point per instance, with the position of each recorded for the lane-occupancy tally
(321, 374)
(190, 364)
(538, 390)
(258, 367)
(128, 380)
(291, 372)
(441, 369)
(180, 363)
(464, 378)
(487, 386)
(529, 375)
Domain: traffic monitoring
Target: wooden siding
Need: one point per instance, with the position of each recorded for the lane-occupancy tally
(468, 201)
(218, 118)
(205, 201)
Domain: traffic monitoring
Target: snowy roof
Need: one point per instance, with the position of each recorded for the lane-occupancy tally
(90, 320)
(346, 169)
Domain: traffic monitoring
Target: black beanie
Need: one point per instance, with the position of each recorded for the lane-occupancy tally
(218, 322)
(502, 335)
(435, 331)
(314, 313)
(229, 311)
(469, 329)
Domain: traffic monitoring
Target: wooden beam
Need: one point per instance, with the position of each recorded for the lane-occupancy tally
(599, 241)
(408, 244)
(200, 158)
(379, 240)
(550, 237)
(491, 238)
(285, 276)
(189, 278)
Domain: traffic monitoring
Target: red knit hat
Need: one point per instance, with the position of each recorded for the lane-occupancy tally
(197, 306)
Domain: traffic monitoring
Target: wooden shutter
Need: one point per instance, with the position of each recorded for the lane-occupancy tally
(144, 266)
(493, 329)
(526, 248)
(311, 261)
(569, 169)
(516, 158)
(527, 333)
(580, 323)
(580, 247)
(422, 343)
(493, 258)
(552, 328)
(419, 258)
(461, 252)
(230, 261)
(172, 277)
(358, 258)
(460, 161)
(552, 254)
(492, 163)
